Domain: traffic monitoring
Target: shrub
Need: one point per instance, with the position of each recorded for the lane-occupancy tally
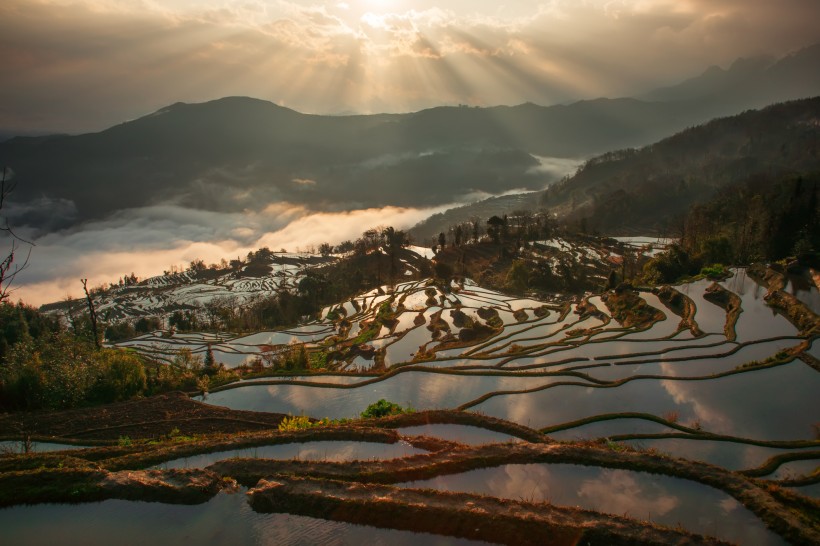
(52, 372)
(185, 359)
(443, 271)
(383, 408)
(669, 266)
(117, 331)
(295, 422)
(518, 277)
(62, 371)
(318, 360)
(123, 376)
(714, 271)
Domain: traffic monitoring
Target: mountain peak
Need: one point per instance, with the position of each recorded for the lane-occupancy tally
(747, 65)
(751, 82)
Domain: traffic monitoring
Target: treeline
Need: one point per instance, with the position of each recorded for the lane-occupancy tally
(759, 219)
(519, 227)
(498, 253)
(46, 364)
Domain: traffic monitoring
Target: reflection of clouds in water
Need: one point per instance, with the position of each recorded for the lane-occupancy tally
(445, 391)
(618, 492)
(345, 453)
(523, 409)
(687, 396)
(726, 454)
(314, 401)
(729, 505)
(750, 404)
(524, 482)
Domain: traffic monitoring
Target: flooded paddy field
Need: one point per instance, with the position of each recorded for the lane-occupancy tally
(683, 418)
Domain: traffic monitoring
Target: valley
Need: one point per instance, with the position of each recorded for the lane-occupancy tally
(564, 400)
(396, 272)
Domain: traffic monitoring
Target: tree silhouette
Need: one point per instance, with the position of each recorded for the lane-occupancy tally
(394, 240)
(9, 268)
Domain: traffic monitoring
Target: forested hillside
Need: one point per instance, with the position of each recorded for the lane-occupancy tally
(754, 153)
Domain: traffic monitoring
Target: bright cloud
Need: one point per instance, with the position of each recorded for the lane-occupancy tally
(87, 64)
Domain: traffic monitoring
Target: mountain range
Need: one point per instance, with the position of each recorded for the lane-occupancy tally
(650, 190)
(237, 153)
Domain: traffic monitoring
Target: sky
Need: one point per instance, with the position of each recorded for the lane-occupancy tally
(84, 65)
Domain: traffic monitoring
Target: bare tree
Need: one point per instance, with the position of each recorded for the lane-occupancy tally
(9, 267)
(92, 313)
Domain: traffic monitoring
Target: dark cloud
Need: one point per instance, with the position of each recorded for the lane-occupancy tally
(46, 213)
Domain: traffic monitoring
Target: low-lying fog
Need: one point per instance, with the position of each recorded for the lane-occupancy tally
(148, 240)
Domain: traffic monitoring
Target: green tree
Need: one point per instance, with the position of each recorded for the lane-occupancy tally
(211, 366)
(518, 276)
(123, 376)
(54, 372)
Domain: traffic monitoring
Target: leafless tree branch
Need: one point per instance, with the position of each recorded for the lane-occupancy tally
(9, 266)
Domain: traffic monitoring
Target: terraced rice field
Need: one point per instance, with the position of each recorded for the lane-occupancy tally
(705, 382)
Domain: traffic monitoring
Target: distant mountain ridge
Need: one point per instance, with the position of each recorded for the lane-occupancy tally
(206, 155)
(237, 153)
(753, 82)
(649, 190)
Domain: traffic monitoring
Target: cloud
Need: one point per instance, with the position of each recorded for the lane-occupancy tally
(556, 167)
(620, 492)
(88, 64)
(47, 213)
(706, 410)
(147, 241)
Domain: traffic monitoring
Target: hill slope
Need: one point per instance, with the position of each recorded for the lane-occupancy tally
(238, 153)
(235, 153)
(645, 189)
